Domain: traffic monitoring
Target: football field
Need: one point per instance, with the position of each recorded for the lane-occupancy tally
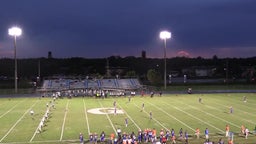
(70, 117)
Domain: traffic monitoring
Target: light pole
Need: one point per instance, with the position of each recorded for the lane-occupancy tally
(15, 31)
(165, 35)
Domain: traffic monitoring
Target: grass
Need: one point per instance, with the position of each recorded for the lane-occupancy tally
(70, 117)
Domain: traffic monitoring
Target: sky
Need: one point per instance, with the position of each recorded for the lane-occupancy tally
(104, 28)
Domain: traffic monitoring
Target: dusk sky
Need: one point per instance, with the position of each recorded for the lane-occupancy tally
(103, 28)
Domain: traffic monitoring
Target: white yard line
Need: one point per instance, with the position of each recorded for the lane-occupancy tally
(238, 103)
(86, 117)
(240, 110)
(109, 119)
(214, 116)
(130, 117)
(11, 109)
(34, 134)
(64, 120)
(17, 122)
(153, 118)
(233, 115)
(235, 110)
(197, 118)
(173, 117)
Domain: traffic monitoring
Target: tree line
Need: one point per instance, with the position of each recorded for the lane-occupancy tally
(113, 66)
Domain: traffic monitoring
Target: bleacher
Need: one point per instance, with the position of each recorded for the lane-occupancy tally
(66, 84)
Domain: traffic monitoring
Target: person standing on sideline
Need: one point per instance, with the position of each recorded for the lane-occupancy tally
(242, 130)
(95, 138)
(245, 99)
(151, 94)
(81, 138)
(172, 132)
(119, 131)
(173, 139)
(227, 130)
(112, 137)
(206, 132)
(197, 133)
(186, 137)
(229, 141)
(246, 133)
(129, 98)
(221, 141)
(91, 138)
(102, 136)
(200, 100)
(181, 133)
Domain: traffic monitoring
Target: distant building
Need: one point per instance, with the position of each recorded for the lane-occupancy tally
(143, 54)
(49, 55)
(199, 71)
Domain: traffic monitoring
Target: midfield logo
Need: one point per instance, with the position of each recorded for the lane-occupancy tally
(105, 111)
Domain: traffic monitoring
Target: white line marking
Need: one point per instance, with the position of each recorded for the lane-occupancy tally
(17, 122)
(109, 119)
(197, 118)
(64, 120)
(86, 117)
(11, 109)
(130, 117)
(212, 115)
(173, 117)
(235, 115)
(153, 118)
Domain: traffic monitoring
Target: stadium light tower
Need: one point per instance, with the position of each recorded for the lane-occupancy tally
(15, 32)
(165, 35)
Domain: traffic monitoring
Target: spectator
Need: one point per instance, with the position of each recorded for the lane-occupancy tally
(227, 130)
(102, 136)
(81, 138)
(221, 141)
(118, 131)
(186, 137)
(151, 94)
(246, 133)
(206, 132)
(197, 133)
(112, 137)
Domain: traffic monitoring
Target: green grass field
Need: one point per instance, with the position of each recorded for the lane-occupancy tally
(70, 117)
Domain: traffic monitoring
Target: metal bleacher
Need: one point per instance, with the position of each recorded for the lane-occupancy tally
(64, 84)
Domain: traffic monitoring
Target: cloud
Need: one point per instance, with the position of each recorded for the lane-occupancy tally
(101, 28)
